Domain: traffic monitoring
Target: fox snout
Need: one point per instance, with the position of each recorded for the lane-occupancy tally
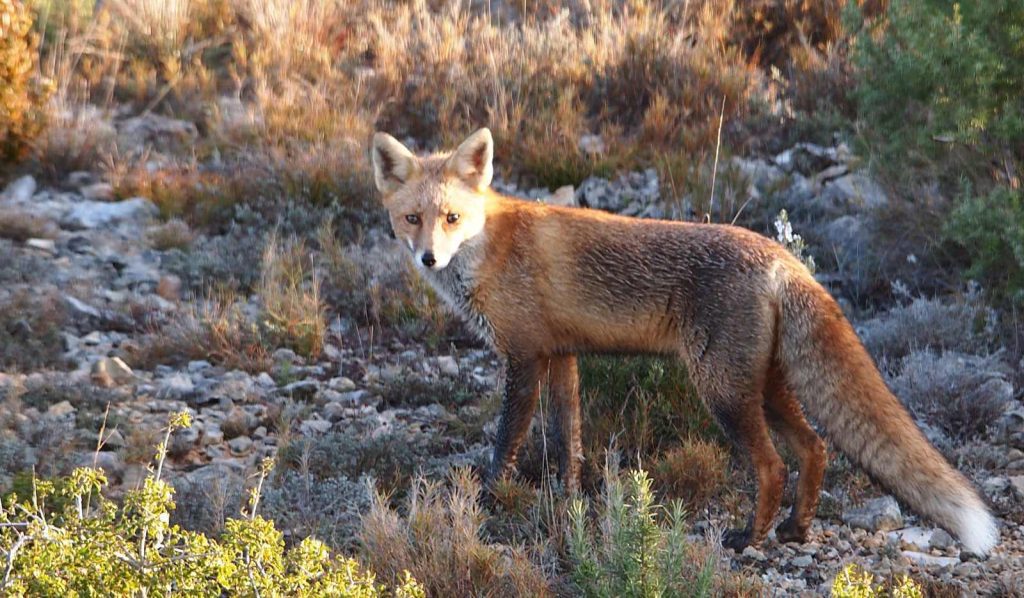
(427, 259)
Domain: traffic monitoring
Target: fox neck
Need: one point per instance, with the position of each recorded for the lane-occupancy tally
(456, 284)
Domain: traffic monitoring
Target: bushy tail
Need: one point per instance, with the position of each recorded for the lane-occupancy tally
(838, 383)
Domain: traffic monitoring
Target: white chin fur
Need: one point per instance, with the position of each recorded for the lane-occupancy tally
(978, 532)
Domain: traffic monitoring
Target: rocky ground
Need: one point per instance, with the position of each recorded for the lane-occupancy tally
(89, 266)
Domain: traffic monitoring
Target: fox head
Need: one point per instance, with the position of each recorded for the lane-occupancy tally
(435, 202)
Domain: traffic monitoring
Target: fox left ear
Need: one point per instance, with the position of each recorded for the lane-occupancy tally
(473, 160)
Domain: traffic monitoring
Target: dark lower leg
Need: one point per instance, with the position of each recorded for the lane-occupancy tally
(522, 391)
(565, 418)
(751, 433)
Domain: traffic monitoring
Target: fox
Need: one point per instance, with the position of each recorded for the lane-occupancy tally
(766, 346)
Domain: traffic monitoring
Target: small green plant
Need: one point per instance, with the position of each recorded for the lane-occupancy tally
(854, 582)
(65, 538)
(639, 548)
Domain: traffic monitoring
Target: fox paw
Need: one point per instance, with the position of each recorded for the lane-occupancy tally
(789, 531)
(737, 539)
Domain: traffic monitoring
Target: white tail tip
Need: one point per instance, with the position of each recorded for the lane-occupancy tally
(977, 530)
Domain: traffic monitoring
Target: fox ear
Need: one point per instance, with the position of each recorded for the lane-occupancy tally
(393, 163)
(472, 161)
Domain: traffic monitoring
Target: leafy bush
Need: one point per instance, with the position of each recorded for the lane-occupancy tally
(944, 74)
(639, 547)
(989, 229)
(65, 538)
(22, 93)
(854, 582)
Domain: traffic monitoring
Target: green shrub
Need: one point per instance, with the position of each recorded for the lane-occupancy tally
(66, 539)
(854, 582)
(944, 75)
(22, 93)
(639, 547)
(989, 229)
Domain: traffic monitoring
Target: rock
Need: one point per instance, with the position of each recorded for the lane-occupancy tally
(177, 386)
(1017, 483)
(563, 196)
(941, 539)
(198, 366)
(81, 309)
(111, 371)
(183, 441)
(914, 538)
(152, 130)
(169, 287)
(448, 366)
(801, 561)
(19, 190)
(928, 560)
(240, 445)
(877, 514)
(752, 553)
(109, 461)
(855, 189)
(212, 434)
(341, 384)
(265, 380)
(89, 215)
(114, 440)
(44, 245)
(98, 191)
(60, 409)
(312, 427)
(235, 385)
(303, 390)
(762, 175)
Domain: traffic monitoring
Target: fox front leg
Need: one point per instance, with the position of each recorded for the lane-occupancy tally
(564, 385)
(522, 392)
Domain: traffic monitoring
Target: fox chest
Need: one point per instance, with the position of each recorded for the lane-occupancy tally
(455, 284)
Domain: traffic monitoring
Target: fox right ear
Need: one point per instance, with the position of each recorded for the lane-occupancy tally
(393, 163)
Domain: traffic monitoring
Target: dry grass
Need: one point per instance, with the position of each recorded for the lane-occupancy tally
(218, 328)
(693, 472)
(441, 542)
(316, 77)
(293, 311)
(173, 234)
(30, 330)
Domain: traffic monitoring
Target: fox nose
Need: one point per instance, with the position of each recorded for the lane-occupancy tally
(428, 259)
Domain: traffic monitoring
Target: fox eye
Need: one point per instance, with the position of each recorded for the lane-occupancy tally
(413, 219)
(453, 218)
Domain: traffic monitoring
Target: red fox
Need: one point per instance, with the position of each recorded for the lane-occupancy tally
(762, 340)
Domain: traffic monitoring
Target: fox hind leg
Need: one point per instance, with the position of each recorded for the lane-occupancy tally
(563, 382)
(786, 417)
(748, 428)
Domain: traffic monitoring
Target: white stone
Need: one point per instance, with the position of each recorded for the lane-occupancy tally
(20, 190)
(929, 560)
(98, 214)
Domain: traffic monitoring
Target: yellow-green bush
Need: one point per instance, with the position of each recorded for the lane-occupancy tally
(66, 539)
(854, 582)
(22, 93)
